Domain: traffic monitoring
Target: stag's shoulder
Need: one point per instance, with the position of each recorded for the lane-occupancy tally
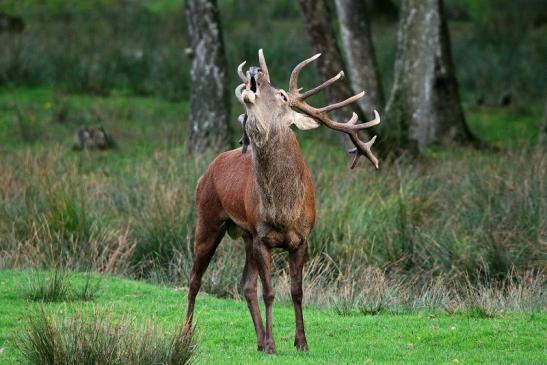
(227, 167)
(232, 160)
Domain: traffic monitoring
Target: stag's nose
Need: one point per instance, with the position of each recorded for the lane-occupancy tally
(253, 75)
(253, 71)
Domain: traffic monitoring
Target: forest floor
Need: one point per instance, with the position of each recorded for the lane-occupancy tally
(226, 334)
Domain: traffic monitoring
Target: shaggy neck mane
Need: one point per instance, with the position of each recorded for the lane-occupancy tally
(278, 163)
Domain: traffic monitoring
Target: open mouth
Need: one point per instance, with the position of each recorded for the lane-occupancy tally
(252, 83)
(252, 87)
(252, 75)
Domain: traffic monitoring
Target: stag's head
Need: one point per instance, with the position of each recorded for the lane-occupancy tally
(270, 110)
(267, 107)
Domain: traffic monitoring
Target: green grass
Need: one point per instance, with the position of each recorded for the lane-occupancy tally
(506, 127)
(226, 334)
(147, 123)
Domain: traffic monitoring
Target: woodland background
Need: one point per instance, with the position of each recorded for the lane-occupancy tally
(451, 224)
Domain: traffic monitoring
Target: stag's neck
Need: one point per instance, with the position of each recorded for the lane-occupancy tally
(280, 171)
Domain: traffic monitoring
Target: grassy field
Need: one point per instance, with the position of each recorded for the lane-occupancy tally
(226, 334)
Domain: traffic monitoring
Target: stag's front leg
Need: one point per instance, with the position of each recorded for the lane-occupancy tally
(296, 265)
(263, 257)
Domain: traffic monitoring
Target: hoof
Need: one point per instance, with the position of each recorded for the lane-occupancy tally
(269, 348)
(301, 346)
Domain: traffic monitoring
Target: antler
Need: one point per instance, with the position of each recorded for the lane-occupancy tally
(240, 72)
(351, 128)
(263, 65)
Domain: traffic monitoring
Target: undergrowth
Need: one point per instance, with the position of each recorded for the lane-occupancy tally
(401, 238)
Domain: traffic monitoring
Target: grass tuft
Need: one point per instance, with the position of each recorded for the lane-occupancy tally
(56, 286)
(48, 287)
(98, 338)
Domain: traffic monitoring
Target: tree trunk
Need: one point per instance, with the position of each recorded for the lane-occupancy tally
(210, 107)
(359, 51)
(424, 106)
(323, 40)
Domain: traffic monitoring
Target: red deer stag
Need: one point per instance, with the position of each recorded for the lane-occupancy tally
(267, 196)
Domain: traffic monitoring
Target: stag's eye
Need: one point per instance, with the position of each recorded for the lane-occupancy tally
(283, 95)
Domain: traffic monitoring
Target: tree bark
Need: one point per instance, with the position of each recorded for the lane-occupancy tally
(210, 107)
(323, 40)
(424, 106)
(360, 55)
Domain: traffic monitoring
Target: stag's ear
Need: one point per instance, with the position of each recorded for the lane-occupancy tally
(304, 122)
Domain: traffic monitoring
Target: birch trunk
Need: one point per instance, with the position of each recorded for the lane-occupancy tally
(359, 52)
(323, 40)
(210, 108)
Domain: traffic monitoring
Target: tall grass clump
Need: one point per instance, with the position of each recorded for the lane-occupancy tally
(99, 338)
(59, 286)
(48, 288)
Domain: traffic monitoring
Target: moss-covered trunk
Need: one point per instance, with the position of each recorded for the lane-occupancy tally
(210, 111)
(424, 107)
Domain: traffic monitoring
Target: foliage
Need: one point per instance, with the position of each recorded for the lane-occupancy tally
(105, 47)
(56, 286)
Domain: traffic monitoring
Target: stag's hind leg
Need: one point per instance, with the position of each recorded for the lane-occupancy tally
(249, 288)
(208, 236)
(296, 266)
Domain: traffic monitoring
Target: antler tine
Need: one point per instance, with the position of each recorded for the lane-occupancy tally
(324, 85)
(263, 65)
(238, 91)
(341, 104)
(351, 128)
(293, 82)
(371, 123)
(363, 148)
(240, 72)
